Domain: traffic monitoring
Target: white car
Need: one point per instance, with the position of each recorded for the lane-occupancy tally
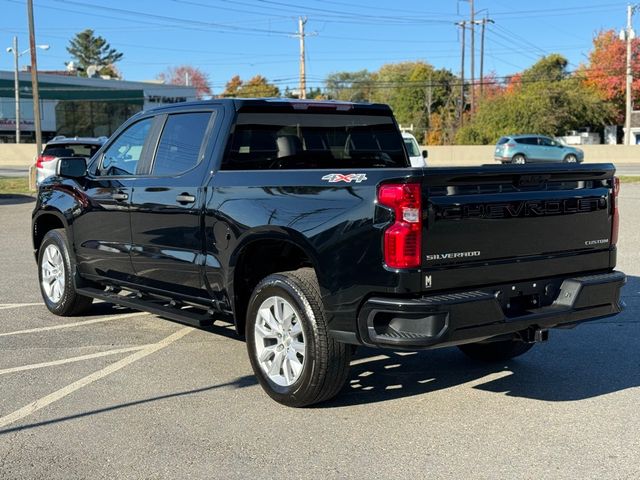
(417, 158)
(60, 147)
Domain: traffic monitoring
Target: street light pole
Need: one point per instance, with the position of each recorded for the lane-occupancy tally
(16, 55)
(16, 81)
(473, 57)
(629, 78)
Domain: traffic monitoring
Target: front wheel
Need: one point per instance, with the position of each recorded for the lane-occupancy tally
(56, 275)
(295, 360)
(495, 351)
(571, 158)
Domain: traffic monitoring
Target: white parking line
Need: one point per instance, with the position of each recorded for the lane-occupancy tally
(89, 379)
(89, 356)
(4, 306)
(74, 324)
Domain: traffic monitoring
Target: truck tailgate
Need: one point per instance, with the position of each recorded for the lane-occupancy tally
(504, 223)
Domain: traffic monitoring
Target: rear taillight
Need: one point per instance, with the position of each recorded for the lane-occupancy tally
(403, 239)
(511, 145)
(615, 223)
(43, 159)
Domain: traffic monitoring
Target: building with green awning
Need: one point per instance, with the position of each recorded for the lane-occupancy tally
(77, 106)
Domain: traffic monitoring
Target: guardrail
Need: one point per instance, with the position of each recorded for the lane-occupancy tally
(23, 155)
(480, 154)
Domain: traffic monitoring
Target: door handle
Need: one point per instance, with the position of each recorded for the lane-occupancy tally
(185, 198)
(120, 196)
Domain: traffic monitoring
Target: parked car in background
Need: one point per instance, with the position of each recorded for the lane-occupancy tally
(535, 148)
(61, 147)
(417, 158)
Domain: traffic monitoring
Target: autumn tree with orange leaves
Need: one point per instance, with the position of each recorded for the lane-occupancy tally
(188, 75)
(606, 70)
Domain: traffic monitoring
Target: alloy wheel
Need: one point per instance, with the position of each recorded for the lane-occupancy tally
(279, 341)
(52, 270)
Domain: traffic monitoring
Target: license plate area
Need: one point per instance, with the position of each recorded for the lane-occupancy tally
(521, 298)
(522, 304)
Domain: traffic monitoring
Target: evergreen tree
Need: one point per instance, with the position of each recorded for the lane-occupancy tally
(88, 49)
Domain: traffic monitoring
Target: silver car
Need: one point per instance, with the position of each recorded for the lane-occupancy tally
(535, 148)
(60, 147)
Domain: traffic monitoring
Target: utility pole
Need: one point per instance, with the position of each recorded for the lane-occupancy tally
(463, 26)
(429, 97)
(483, 22)
(629, 36)
(473, 55)
(303, 79)
(16, 82)
(34, 77)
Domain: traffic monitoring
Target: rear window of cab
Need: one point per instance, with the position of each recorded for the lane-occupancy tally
(70, 150)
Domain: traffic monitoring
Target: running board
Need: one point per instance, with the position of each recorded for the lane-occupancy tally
(153, 305)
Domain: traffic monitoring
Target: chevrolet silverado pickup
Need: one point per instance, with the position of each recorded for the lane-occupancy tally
(303, 224)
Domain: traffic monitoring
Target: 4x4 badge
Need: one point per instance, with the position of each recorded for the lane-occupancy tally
(338, 177)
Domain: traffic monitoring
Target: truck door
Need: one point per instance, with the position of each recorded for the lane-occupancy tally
(102, 233)
(166, 207)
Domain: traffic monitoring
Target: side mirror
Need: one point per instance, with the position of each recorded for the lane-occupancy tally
(72, 167)
(425, 154)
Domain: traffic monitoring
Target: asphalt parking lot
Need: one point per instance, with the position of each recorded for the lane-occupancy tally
(123, 394)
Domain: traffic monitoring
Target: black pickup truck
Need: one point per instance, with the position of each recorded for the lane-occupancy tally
(303, 224)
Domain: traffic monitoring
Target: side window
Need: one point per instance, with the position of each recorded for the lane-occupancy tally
(180, 142)
(122, 156)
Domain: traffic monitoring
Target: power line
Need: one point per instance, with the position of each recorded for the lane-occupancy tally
(552, 12)
(173, 20)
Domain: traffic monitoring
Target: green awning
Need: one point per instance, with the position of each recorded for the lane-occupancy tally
(60, 91)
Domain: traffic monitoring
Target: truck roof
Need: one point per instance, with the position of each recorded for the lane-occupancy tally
(283, 104)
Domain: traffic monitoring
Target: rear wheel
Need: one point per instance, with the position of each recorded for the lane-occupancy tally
(295, 360)
(519, 159)
(56, 275)
(571, 158)
(495, 351)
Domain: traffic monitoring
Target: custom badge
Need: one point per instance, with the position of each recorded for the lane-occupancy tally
(351, 177)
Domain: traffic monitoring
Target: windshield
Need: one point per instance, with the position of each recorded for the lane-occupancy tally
(314, 141)
(412, 147)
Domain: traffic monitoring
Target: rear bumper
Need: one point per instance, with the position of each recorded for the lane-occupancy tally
(473, 316)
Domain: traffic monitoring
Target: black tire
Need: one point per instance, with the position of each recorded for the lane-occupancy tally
(326, 362)
(70, 303)
(495, 351)
(571, 158)
(519, 159)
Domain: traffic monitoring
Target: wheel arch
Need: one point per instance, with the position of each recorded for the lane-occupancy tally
(260, 253)
(45, 221)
